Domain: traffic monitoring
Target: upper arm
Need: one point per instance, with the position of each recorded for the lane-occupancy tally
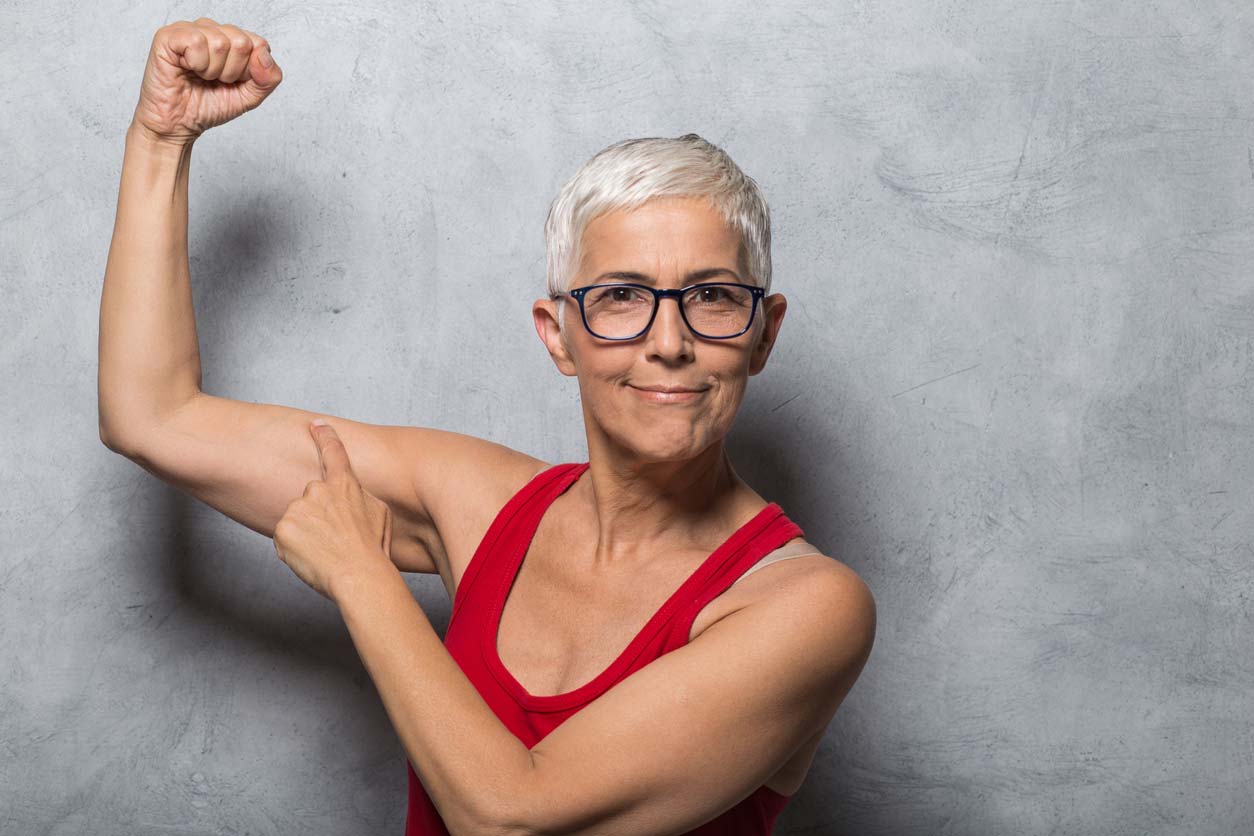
(250, 460)
(698, 729)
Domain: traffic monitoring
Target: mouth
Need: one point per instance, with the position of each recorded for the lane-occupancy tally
(663, 394)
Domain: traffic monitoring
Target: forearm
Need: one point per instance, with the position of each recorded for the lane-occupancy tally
(149, 358)
(474, 768)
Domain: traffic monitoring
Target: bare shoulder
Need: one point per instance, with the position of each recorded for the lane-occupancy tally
(460, 481)
(815, 578)
(846, 605)
(818, 605)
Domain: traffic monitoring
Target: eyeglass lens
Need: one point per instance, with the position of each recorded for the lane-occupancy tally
(712, 310)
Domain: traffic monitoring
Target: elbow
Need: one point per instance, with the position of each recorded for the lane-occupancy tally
(125, 442)
(497, 814)
(122, 445)
(108, 422)
(485, 830)
(487, 824)
(111, 441)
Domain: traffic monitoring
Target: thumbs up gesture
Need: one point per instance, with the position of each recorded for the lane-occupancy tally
(200, 74)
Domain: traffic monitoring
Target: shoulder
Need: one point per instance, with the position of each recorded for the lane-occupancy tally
(816, 579)
(450, 468)
(807, 631)
(457, 480)
(847, 604)
(836, 595)
(819, 608)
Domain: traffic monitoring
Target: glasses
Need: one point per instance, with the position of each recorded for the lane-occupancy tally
(624, 311)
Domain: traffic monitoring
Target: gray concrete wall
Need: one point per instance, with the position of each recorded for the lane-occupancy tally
(1013, 389)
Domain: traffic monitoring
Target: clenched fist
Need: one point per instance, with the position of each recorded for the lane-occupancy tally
(200, 74)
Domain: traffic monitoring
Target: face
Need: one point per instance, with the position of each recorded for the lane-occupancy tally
(665, 240)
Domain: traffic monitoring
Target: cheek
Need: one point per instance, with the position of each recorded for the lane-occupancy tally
(728, 400)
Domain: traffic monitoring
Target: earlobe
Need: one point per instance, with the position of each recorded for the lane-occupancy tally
(760, 352)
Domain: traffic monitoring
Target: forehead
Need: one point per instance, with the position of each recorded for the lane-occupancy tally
(663, 230)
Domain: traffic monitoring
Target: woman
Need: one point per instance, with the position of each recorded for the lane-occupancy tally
(649, 674)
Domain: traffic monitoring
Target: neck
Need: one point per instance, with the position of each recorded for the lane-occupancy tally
(646, 508)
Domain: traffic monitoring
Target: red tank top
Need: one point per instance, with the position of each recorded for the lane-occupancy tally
(480, 598)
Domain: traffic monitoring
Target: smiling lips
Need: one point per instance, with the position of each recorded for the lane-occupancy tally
(667, 394)
(665, 388)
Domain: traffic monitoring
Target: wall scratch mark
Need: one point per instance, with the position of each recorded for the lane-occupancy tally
(933, 380)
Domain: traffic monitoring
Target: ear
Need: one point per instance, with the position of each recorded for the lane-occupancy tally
(772, 313)
(544, 312)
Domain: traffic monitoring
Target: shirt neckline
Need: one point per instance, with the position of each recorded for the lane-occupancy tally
(583, 693)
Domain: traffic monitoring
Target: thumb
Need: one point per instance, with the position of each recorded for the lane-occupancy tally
(261, 79)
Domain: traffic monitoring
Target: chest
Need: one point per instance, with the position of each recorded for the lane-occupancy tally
(558, 632)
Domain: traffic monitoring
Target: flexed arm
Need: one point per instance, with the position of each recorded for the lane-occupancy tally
(247, 460)
(198, 75)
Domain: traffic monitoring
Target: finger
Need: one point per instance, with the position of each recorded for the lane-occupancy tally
(263, 71)
(331, 453)
(236, 66)
(218, 46)
(256, 68)
(185, 46)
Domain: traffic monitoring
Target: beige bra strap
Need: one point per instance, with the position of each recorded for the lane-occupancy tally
(782, 553)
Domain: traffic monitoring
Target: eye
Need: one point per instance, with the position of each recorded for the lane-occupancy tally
(708, 294)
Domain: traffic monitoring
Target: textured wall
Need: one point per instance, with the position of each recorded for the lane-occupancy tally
(1013, 389)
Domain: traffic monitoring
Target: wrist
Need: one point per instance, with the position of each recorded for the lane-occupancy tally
(141, 137)
(362, 582)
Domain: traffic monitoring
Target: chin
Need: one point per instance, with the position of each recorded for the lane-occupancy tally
(663, 449)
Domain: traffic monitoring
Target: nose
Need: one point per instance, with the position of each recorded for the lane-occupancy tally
(669, 336)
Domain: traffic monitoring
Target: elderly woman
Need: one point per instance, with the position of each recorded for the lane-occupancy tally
(616, 662)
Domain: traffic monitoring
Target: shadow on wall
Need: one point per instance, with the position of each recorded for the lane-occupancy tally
(785, 447)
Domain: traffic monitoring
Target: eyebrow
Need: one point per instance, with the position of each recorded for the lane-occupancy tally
(695, 275)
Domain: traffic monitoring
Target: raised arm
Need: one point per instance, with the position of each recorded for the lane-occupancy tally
(198, 75)
(247, 460)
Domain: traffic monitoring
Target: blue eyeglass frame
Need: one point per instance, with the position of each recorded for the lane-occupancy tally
(677, 294)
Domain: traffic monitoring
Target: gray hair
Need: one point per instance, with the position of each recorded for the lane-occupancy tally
(632, 171)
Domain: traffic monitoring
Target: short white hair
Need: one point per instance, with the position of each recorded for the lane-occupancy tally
(630, 172)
